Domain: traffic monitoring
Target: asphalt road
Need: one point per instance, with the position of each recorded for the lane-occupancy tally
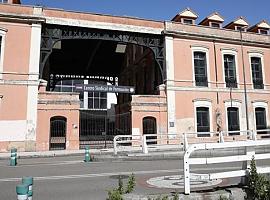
(69, 178)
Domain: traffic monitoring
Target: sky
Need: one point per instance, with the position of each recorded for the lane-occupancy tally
(253, 10)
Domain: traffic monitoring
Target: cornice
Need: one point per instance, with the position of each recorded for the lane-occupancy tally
(204, 33)
(21, 18)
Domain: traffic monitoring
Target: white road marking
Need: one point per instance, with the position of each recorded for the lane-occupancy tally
(38, 164)
(111, 174)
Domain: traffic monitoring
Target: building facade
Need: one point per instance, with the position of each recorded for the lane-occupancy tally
(188, 78)
(219, 74)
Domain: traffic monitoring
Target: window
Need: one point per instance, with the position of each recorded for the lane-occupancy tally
(97, 100)
(4, 1)
(215, 25)
(2, 45)
(203, 123)
(264, 32)
(240, 28)
(230, 71)
(257, 75)
(233, 120)
(187, 21)
(200, 68)
(260, 116)
(203, 117)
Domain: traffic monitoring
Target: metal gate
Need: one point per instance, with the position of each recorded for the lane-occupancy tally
(58, 133)
(98, 128)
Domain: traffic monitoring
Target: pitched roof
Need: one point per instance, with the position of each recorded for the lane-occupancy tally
(262, 24)
(213, 17)
(186, 13)
(239, 21)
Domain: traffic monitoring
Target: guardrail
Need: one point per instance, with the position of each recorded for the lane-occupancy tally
(142, 142)
(249, 153)
(124, 142)
(127, 141)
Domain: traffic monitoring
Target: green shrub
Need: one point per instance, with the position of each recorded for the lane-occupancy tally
(221, 197)
(120, 185)
(114, 195)
(131, 183)
(258, 186)
(176, 196)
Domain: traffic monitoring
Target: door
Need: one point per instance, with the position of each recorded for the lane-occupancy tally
(150, 127)
(58, 126)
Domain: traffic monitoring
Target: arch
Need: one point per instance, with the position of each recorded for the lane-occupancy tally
(150, 127)
(51, 34)
(58, 128)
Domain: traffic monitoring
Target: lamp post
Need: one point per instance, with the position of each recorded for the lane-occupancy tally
(244, 77)
(245, 163)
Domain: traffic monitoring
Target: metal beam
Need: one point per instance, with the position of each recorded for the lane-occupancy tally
(53, 33)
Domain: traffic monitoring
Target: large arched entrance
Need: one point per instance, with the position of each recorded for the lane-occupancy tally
(73, 56)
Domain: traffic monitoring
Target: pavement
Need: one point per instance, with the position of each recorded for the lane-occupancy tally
(63, 175)
(155, 152)
(125, 153)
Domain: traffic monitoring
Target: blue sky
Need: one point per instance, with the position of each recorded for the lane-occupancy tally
(253, 11)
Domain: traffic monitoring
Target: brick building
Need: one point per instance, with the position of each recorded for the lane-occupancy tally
(188, 77)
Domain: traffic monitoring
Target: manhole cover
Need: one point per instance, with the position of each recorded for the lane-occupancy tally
(177, 181)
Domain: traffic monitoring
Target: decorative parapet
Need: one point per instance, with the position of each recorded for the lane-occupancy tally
(210, 34)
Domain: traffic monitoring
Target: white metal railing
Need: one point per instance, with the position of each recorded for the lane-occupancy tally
(261, 134)
(121, 142)
(249, 153)
(144, 141)
(161, 140)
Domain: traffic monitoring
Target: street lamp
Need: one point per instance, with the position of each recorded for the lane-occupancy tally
(244, 76)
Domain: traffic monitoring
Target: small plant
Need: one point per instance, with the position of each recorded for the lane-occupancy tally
(131, 183)
(176, 196)
(221, 197)
(120, 185)
(114, 195)
(165, 198)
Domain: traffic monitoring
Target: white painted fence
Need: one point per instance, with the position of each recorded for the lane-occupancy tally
(126, 142)
(249, 153)
(182, 140)
(142, 142)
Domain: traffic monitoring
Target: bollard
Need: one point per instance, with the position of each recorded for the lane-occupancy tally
(28, 180)
(87, 155)
(13, 157)
(22, 192)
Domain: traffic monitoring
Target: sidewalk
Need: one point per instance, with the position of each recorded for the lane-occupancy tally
(131, 153)
(127, 153)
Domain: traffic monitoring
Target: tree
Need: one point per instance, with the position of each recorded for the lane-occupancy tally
(258, 185)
